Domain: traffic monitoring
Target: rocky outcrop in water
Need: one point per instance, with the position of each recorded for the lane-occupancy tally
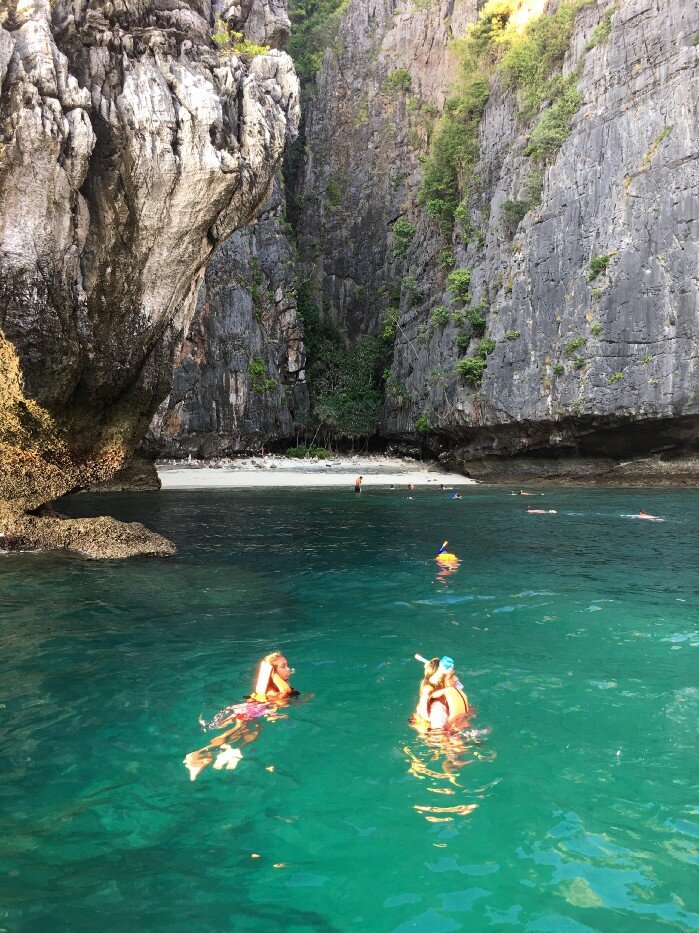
(239, 376)
(131, 147)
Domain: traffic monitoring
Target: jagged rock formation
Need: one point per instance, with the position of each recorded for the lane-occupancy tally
(579, 355)
(367, 123)
(239, 376)
(591, 296)
(131, 146)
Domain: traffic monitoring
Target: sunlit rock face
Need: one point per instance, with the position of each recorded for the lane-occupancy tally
(583, 360)
(131, 145)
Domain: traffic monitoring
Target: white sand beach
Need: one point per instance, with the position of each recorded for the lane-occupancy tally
(274, 471)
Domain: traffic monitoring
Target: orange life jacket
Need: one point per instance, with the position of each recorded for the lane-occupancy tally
(457, 703)
(269, 686)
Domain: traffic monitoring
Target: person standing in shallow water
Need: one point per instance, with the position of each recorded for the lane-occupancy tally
(358, 484)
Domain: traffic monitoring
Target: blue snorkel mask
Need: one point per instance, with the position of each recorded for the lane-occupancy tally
(446, 664)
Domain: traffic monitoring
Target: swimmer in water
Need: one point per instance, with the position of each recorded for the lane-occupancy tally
(272, 684)
(410, 486)
(649, 518)
(444, 558)
(272, 689)
(441, 704)
(358, 484)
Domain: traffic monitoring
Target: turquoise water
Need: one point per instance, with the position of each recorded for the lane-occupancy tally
(576, 636)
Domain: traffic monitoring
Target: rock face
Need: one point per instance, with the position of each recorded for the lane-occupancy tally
(131, 147)
(239, 376)
(368, 122)
(591, 296)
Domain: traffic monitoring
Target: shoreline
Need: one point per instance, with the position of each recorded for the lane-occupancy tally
(276, 472)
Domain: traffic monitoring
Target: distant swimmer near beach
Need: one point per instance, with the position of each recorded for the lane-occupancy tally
(649, 518)
(532, 511)
(358, 484)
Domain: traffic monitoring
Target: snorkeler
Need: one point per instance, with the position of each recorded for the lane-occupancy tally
(272, 684)
(444, 558)
(272, 690)
(442, 704)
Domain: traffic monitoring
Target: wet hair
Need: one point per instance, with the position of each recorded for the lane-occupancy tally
(431, 669)
(273, 658)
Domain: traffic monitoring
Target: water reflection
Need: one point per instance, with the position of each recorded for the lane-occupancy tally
(440, 759)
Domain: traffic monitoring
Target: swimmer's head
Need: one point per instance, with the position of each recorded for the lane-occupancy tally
(279, 664)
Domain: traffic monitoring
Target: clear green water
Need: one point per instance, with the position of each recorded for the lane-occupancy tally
(577, 637)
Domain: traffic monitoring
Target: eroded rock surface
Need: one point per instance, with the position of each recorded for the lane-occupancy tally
(239, 377)
(577, 357)
(575, 351)
(131, 146)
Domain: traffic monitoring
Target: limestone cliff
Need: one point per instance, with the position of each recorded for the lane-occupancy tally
(558, 315)
(239, 376)
(131, 145)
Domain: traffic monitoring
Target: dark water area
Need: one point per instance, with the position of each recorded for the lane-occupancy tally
(576, 636)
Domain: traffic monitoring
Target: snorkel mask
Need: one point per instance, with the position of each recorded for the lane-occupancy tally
(446, 666)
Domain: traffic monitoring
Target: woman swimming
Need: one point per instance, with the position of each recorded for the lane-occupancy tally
(271, 687)
(272, 684)
(442, 704)
(272, 690)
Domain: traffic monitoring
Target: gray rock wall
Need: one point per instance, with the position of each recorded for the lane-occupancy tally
(220, 402)
(364, 136)
(582, 368)
(623, 185)
(132, 145)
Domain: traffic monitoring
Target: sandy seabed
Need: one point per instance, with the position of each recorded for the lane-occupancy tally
(274, 471)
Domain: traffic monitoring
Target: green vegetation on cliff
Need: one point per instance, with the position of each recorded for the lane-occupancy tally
(314, 25)
(345, 383)
(527, 59)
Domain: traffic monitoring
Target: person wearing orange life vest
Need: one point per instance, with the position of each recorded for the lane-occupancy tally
(272, 687)
(442, 704)
(272, 684)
